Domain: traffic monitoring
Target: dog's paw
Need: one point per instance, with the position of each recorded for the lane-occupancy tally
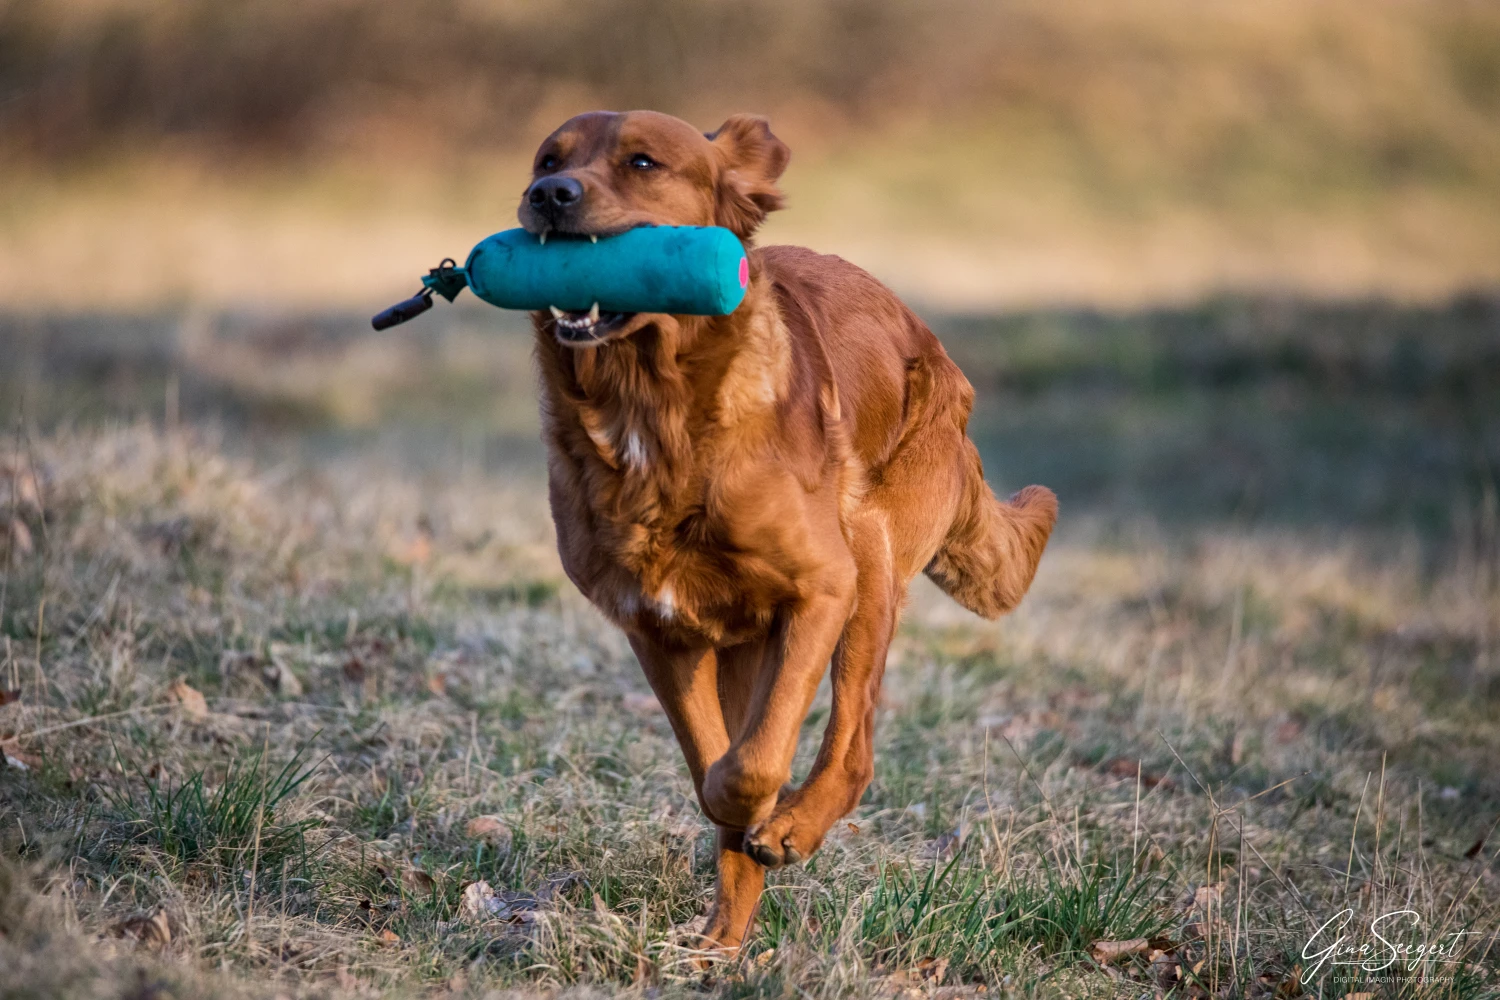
(783, 840)
(708, 940)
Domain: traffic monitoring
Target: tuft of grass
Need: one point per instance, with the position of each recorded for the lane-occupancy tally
(233, 823)
(969, 915)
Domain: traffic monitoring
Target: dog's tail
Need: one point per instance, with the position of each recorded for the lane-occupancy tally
(992, 549)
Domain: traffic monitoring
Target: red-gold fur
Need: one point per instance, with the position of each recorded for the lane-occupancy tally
(748, 496)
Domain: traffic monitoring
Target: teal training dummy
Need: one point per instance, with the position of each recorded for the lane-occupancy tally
(683, 270)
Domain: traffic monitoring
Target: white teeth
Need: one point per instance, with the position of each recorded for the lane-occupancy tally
(556, 312)
(543, 238)
(594, 313)
(593, 238)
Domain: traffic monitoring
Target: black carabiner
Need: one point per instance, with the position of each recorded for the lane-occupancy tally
(447, 280)
(403, 311)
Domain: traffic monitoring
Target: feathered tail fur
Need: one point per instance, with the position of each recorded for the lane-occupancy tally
(991, 553)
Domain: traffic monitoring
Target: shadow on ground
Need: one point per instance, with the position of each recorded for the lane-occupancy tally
(1363, 415)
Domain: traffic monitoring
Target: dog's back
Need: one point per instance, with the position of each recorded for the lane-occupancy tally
(907, 406)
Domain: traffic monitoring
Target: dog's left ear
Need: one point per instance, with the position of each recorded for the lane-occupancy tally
(752, 159)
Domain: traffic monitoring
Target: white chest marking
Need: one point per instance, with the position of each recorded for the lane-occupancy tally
(635, 451)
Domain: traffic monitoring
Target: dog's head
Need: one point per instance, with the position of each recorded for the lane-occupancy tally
(604, 172)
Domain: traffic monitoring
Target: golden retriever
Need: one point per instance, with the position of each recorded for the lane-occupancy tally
(748, 496)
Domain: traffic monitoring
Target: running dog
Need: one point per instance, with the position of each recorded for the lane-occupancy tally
(748, 496)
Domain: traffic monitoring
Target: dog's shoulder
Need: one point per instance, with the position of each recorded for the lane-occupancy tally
(872, 341)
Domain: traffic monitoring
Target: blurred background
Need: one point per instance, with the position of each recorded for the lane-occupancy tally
(1205, 261)
(1225, 275)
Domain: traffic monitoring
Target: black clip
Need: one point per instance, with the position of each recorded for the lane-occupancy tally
(403, 311)
(447, 280)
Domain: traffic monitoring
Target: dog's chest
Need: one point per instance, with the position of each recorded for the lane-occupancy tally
(655, 453)
(659, 550)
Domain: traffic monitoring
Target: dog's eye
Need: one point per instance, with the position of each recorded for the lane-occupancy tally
(641, 161)
(549, 162)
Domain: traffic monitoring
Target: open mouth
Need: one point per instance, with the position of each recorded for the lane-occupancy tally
(584, 327)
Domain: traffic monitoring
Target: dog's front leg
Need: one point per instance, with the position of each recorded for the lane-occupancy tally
(845, 762)
(740, 788)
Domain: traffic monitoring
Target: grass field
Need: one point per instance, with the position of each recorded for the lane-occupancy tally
(289, 666)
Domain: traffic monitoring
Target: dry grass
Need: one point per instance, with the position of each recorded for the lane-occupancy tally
(1213, 736)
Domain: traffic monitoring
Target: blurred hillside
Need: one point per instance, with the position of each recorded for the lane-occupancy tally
(971, 153)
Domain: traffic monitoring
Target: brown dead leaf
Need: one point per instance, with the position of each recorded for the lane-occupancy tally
(853, 828)
(354, 670)
(480, 903)
(7, 697)
(189, 699)
(153, 931)
(417, 882)
(477, 902)
(490, 829)
(388, 937)
(1105, 952)
(437, 683)
(1291, 985)
(933, 970)
(11, 755)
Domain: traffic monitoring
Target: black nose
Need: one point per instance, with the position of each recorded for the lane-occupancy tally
(552, 193)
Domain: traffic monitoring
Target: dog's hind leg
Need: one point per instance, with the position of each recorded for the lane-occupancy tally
(687, 683)
(737, 889)
(845, 762)
(741, 878)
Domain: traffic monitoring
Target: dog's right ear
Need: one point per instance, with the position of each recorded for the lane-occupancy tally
(752, 159)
